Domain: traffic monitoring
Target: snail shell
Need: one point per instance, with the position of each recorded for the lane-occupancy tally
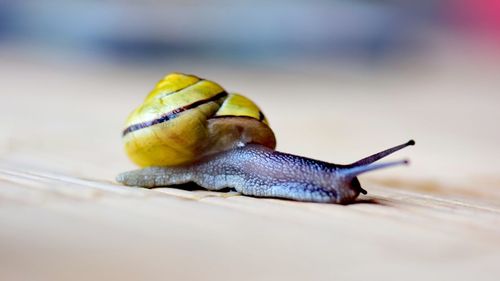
(186, 118)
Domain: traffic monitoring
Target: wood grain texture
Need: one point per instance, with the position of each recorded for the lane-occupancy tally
(62, 217)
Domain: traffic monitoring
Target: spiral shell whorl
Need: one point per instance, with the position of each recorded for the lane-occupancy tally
(185, 118)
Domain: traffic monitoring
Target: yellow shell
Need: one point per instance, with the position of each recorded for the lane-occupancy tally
(185, 118)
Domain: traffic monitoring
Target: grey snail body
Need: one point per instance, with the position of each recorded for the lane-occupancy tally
(256, 170)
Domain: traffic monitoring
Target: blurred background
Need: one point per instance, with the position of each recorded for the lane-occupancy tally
(250, 32)
(337, 79)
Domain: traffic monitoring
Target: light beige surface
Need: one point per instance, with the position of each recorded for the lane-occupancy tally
(63, 218)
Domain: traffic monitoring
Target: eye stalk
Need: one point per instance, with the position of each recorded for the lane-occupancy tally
(351, 171)
(379, 155)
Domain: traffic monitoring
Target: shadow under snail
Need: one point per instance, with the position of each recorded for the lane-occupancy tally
(191, 130)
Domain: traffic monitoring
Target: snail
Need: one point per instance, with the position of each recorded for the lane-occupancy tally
(191, 130)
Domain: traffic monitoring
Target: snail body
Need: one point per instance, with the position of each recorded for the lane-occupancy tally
(191, 130)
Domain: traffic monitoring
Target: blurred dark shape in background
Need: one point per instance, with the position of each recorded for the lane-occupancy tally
(237, 31)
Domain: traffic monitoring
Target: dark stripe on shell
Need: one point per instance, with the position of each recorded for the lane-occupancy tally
(172, 114)
(232, 116)
(184, 88)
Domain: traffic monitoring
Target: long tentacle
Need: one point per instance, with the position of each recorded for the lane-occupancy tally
(377, 156)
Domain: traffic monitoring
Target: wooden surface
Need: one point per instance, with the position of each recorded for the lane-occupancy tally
(62, 217)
